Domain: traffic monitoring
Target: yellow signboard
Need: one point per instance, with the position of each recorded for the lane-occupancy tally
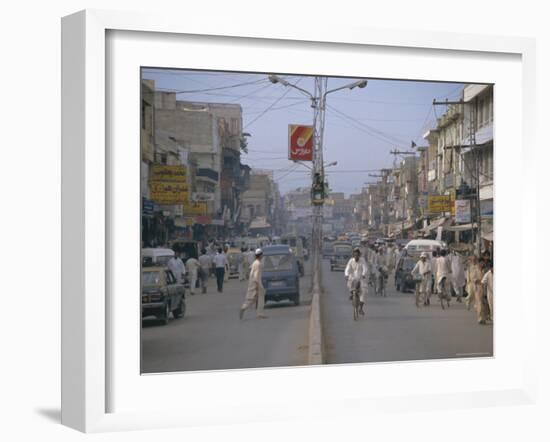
(195, 208)
(438, 204)
(169, 193)
(173, 174)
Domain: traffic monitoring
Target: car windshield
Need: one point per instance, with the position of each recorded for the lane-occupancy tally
(150, 278)
(163, 260)
(274, 263)
(408, 265)
(342, 249)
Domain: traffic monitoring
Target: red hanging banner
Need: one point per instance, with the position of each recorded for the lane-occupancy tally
(300, 142)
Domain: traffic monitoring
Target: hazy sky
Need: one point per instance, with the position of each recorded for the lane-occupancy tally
(362, 125)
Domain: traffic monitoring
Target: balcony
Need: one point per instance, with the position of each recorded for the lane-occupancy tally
(205, 173)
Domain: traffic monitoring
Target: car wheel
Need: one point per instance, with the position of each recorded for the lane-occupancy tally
(296, 299)
(166, 316)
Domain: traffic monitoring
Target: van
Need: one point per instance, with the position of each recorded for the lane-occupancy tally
(417, 246)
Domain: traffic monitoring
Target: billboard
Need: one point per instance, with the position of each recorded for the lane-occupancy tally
(195, 208)
(300, 142)
(173, 174)
(439, 204)
(169, 193)
(463, 212)
(168, 184)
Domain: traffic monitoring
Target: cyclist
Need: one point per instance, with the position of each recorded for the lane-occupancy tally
(381, 270)
(423, 268)
(356, 275)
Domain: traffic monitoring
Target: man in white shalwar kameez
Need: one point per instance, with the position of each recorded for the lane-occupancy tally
(192, 267)
(458, 277)
(487, 281)
(356, 273)
(256, 291)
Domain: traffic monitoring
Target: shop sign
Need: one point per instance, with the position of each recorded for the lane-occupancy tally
(172, 174)
(440, 203)
(169, 192)
(194, 208)
(463, 212)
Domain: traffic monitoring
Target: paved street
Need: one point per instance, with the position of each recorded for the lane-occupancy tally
(393, 329)
(211, 336)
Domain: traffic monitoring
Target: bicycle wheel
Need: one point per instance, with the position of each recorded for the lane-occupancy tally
(355, 304)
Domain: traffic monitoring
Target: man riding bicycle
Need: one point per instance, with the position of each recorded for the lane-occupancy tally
(356, 275)
(381, 271)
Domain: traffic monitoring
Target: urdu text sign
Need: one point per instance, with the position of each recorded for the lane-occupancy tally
(440, 204)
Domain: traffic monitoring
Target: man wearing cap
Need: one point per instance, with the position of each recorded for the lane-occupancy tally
(424, 268)
(356, 275)
(255, 290)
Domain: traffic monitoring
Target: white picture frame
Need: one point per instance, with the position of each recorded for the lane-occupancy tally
(86, 209)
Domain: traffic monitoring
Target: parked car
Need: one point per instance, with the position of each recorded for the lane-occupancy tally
(156, 256)
(403, 279)
(281, 276)
(161, 294)
(341, 254)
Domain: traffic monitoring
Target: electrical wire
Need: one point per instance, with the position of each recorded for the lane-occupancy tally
(248, 83)
(272, 105)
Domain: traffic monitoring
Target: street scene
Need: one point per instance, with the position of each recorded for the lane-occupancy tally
(294, 220)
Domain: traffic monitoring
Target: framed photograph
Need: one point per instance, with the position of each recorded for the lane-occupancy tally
(254, 218)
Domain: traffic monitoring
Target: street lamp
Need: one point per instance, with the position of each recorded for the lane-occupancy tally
(318, 103)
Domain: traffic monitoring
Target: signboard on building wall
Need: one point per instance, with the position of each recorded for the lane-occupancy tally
(439, 204)
(300, 142)
(169, 193)
(172, 174)
(463, 213)
(194, 208)
(486, 208)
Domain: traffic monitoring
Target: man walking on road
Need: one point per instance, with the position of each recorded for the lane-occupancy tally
(443, 278)
(256, 291)
(356, 274)
(459, 277)
(205, 261)
(220, 263)
(487, 282)
(176, 266)
(193, 270)
(477, 276)
(424, 269)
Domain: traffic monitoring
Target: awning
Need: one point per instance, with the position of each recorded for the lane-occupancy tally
(460, 227)
(434, 225)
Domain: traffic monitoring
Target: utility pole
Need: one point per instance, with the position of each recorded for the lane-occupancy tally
(318, 103)
(384, 175)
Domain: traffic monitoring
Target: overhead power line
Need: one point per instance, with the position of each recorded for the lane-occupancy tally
(195, 91)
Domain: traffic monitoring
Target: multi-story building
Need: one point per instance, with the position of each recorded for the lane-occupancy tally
(195, 128)
(478, 153)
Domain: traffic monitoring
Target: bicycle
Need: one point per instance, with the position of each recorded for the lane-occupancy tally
(355, 301)
(381, 282)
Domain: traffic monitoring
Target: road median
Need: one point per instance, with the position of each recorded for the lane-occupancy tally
(316, 348)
